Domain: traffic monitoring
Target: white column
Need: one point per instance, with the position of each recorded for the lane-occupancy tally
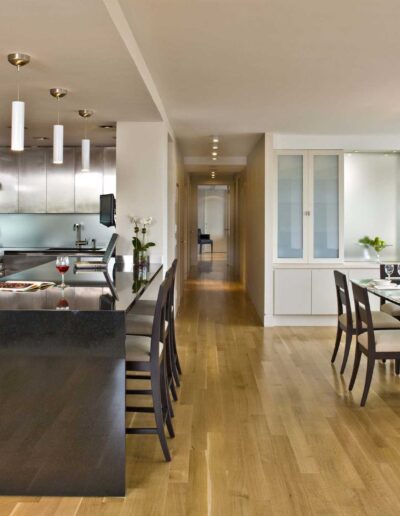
(142, 184)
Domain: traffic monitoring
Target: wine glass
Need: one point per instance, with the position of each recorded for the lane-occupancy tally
(389, 269)
(62, 264)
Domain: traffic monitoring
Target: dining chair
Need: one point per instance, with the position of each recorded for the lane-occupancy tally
(346, 319)
(147, 354)
(374, 344)
(204, 239)
(386, 306)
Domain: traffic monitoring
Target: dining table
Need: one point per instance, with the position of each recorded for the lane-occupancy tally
(62, 378)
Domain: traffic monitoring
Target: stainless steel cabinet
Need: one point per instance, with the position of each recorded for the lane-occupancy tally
(32, 182)
(61, 183)
(8, 181)
(89, 185)
(109, 177)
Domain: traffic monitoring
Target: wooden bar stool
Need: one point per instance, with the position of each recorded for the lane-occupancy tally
(147, 354)
(136, 321)
(347, 321)
(141, 324)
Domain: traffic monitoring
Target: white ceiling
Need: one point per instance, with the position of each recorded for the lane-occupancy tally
(288, 66)
(73, 45)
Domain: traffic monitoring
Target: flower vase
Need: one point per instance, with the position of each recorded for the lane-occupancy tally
(136, 258)
(144, 258)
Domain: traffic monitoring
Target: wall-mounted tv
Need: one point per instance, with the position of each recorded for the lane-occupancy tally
(107, 210)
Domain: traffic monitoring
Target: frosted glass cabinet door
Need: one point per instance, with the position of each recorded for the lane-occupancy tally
(326, 206)
(290, 206)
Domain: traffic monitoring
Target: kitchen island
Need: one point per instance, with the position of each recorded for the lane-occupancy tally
(62, 381)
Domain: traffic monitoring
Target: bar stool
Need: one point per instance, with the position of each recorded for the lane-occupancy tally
(346, 319)
(138, 322)
(147, 354)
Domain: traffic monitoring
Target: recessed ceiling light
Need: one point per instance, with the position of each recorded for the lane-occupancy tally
(214, 158)
(215, 139)
(214, 153)
(215, 147)
(107, 126)
(40, 138)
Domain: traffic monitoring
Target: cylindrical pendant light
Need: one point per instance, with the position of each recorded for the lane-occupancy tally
(17, 125)
(85, 155)
(58, 144)
(58, 129)
(18, 107)
(85, 114)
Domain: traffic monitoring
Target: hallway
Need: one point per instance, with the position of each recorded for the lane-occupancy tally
(264, 425)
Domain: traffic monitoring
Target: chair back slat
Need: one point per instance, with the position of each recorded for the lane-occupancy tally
(343, 298)
(363, 314)
(160, 316)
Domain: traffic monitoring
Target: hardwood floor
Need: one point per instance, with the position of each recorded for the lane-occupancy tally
(264, 426)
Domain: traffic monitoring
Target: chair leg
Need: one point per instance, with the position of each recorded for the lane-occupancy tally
(158, 413)
(397, 366)
(347, 347)
(339, 333)
(356, 365)
(368, 378)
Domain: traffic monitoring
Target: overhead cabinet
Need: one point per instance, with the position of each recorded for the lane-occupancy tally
(31, 183)
(309, 206)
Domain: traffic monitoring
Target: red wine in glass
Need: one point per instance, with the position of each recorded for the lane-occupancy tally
(62, 264)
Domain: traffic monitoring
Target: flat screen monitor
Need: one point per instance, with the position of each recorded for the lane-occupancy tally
(107, 210)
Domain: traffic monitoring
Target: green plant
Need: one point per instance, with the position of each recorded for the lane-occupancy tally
(377, 243)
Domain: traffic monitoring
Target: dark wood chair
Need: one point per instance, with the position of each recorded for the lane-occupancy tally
(204, 239)
(375, 345)
(139, 322)
(147, 354)
(347, 322)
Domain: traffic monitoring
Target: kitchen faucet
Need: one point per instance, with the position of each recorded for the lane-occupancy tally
(79, 242)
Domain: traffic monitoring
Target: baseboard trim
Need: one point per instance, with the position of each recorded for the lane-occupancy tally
(300, 320)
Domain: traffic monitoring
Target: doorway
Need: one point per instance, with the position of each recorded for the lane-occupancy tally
(212, 209)
(213, 220)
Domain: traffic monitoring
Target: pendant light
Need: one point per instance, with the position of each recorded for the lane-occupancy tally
(58, 130)
(85, 114)
(18, 107)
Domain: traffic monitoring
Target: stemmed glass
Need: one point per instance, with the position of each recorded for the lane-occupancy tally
(62, 264)
(389, 269)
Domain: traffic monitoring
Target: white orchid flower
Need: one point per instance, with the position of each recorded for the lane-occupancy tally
(146, 221)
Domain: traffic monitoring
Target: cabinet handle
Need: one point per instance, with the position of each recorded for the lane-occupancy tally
(307, 213)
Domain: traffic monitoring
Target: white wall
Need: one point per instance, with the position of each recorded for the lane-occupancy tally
(371, 201)
(347, 142)
(255, 226)
(142, 183)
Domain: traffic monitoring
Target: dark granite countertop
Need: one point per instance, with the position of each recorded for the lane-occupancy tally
(116, 289)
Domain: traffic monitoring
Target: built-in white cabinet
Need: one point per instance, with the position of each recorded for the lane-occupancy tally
(309, 206)
(292, 291)
(323, 292)
(312, 291)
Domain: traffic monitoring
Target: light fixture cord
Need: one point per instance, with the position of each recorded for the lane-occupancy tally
(18, 68)
(85, 127)
(58, 110)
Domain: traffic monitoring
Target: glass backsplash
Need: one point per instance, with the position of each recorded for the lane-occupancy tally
(50, 230)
